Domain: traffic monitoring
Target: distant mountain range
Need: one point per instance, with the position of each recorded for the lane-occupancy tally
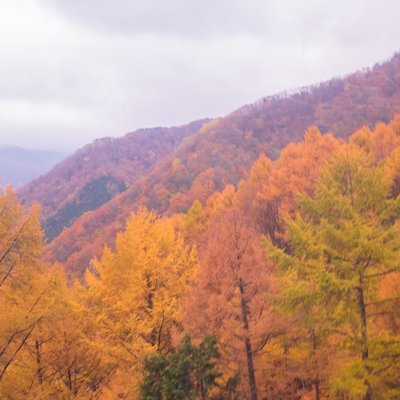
(88, 197)
(18, 166)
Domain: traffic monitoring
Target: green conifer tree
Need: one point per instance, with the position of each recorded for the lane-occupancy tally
(343, 243)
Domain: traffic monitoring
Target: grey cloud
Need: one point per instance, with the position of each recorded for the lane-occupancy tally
(189, 17)
(71, 71)
(278, 19)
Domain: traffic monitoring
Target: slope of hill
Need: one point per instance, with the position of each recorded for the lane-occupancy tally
(97, 172)
(222, 151)
(18, 166)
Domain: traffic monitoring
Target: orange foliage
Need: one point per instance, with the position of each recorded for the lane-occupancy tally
(223, 150)
(228, 299)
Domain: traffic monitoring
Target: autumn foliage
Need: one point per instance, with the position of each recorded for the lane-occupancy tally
(285, 287)
(166, 170)
(240, 273)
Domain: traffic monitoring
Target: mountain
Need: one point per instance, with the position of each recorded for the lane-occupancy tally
(18, 166)
(222, 150)
(96, 173)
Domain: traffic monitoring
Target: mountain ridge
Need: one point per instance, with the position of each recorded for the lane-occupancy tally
(108, 165)
(222, 151)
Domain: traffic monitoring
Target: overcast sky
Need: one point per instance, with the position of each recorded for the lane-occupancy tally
(75, 70)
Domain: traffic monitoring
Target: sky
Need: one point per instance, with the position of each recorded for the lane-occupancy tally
(72, 71)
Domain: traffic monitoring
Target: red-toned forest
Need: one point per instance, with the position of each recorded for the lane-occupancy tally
(285, 287)
(194, 162)
(98, 172)
(251, 257)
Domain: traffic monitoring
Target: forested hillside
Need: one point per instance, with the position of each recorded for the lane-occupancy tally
(222, 151)
(239, 239)
(99, 171)
(285, 287)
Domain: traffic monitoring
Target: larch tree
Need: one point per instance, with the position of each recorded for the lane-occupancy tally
(27, 296)
(133, 296)
(342, 245)
(68, 365)
(228, 299)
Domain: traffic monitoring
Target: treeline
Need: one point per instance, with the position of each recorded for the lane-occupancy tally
(98, 172)
(284, 288)
(166, 170)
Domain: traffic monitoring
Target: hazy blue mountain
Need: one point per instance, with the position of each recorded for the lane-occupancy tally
(18, 166)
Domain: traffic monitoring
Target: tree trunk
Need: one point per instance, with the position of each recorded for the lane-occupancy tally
(202, 391)
(249, 352)
(364, 332)
(317, 395)
(39, 373)
(317, 380)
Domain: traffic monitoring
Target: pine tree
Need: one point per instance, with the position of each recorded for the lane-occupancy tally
(187, 373)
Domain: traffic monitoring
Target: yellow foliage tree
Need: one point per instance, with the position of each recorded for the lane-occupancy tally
(133, 296)
(27, 297)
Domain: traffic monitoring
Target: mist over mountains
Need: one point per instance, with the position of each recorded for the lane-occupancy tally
(265, 242)
(199, 200)
(18, 165)
(87, 198)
